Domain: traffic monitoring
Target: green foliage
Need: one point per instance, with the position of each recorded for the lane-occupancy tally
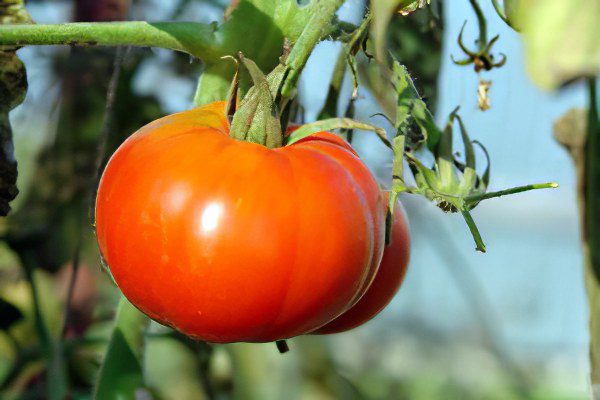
(121, 373)
(258, 29)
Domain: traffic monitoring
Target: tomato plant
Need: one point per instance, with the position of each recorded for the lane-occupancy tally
(214, 223)
(230, 241)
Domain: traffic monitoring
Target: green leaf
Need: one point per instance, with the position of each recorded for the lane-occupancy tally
(561, 39)
(258, 29)
(336, 123)
(120, 375)
(411, 107)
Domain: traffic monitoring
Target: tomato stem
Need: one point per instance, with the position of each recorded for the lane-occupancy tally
(193, 38)
(480, 246)
(282, 346)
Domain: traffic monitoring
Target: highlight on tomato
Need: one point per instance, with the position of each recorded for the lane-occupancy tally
(387, 282)
(227, 240)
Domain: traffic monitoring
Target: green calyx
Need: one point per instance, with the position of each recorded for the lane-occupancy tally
(454, 185)
(257, 118)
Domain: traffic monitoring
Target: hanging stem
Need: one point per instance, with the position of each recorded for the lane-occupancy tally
(189, 37)
(480, 246)
(482, 41)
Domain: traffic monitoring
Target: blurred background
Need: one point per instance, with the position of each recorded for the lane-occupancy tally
(508, 324)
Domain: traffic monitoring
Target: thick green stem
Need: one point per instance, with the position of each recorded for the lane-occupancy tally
(480, 246)
(189, 37)
(591, 231)
(311, 35)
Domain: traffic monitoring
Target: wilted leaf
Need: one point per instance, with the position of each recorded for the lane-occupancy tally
(561, 39)
(570, 130)
(13, 85)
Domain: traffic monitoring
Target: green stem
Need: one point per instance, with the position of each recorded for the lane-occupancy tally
(189, 37)
(482, 41)
(593, 179)
(590, 205)
(479, 197)
(310, 36)
(480, 246)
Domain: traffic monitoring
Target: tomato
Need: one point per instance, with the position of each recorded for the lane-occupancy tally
(387, 281)
(230, 241)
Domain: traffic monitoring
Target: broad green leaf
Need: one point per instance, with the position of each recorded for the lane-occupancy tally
(257, 28)
(561, 39)
(120, 375)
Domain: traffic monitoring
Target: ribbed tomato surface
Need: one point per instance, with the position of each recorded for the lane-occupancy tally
(230, 241)
(387, 281)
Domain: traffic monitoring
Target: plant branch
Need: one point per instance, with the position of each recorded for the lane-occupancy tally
(189, 37)
(479, 197)
(480, 246)
(310, 36)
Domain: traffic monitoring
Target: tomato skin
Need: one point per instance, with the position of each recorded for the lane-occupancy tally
(229, 241)
(387, 281)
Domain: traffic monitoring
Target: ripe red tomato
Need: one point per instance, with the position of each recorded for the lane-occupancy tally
(230, 241)
(387, 281)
